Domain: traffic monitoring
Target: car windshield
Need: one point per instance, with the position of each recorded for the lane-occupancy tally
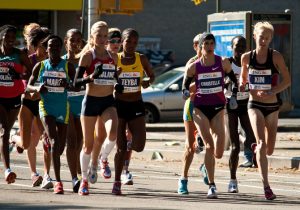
(164, 79)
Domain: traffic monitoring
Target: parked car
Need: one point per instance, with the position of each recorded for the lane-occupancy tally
(163, 99)
(164, 67)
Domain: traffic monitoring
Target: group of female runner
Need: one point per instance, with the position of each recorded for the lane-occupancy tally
(258, 83)
(96, 91)
(101, 99)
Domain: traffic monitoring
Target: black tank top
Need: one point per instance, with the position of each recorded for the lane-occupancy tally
(262, 76)
(253, 64)
(267, 65)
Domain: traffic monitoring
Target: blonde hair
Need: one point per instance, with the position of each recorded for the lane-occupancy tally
(90, 43)
(196, 38)
(113, 29)
(263, 25)
(28, 28)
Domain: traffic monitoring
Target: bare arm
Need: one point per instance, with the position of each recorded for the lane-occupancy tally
(285, 75)
(26, 62)
(33, 78)
(71, 71)
(147, 68)
(244, 70)
(226, 65)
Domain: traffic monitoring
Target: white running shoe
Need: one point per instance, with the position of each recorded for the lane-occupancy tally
(47, 182)
(10, 176)
(92, 174)
(127, 178)
(212, 192)
(233, 186)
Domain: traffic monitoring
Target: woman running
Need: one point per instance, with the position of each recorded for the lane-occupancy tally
(130, 106)
(30, 125)
(261, 68)
(72, 41)
(209, 102)
(113, 46)
(240, 113)
(99, 67)
(12, 61)
(54, 75)
(189, 126)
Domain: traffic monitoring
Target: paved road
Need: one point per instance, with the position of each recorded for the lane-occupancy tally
(155, 185)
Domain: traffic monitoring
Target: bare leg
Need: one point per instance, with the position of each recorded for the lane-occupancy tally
(188, 155)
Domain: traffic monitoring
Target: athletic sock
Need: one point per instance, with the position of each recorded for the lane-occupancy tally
(107, 147)
(84, 163)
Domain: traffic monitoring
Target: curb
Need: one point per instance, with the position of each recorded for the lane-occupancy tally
(273, 161)
(176, 128)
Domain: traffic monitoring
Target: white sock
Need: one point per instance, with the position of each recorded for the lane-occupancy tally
(84, 163)
(107, 147)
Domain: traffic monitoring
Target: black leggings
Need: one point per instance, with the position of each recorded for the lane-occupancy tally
(233, 116)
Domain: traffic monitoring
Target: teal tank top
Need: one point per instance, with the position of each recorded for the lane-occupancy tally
(51, 76)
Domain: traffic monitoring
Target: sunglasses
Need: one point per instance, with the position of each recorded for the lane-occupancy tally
(114, 41)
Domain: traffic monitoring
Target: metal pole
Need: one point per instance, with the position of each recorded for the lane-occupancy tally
(217, 6)
(55, 30)
(83, 18)
(93, 15)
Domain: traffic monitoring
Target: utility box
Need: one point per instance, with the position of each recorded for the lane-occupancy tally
(227, 25)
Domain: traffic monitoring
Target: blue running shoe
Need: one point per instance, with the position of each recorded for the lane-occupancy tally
(92, 174)
(182, 187)
(204, 174)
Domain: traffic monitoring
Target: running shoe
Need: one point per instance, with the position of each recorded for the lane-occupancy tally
(253, 148)
(105, 170)
(75, 184)
(212, 192)
(10, 176)
(92, 174)
(36, 180)
(127, 178)
(84, 187)
(233, 186)
(58, 188)
(204, 173)
(47, 182)
(269, 195)
(246, 164)
(116, 188)
(182, 187)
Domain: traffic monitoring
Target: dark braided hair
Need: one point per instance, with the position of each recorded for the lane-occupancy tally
(129, 32)
(6, 28)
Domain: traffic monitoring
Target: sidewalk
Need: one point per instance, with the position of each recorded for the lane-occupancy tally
(286, 154)
(284, 125)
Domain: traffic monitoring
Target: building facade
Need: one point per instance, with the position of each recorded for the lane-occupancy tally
(172, 23)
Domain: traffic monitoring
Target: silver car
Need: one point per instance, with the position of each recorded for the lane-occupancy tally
(163, 99)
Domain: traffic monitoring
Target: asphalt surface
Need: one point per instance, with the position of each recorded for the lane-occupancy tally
(155, 180)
